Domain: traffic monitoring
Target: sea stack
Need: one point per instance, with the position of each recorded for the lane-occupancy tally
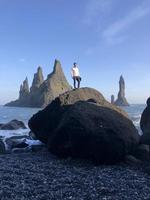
(121, 100)
(42, 92)
(37, 80)
(24, 92)
(112, 99)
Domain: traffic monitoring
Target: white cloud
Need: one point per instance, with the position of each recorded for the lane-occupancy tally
(112, 33)
(21, 60)
(95, 8)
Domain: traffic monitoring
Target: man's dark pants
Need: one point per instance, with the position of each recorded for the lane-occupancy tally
(78, 79)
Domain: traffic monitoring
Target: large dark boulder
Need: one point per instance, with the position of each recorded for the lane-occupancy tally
(13, 125)
(91, 128)
(145, 124)
(94, 132)
(43, 123)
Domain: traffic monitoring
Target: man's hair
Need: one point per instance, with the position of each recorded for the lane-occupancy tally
(74, 63)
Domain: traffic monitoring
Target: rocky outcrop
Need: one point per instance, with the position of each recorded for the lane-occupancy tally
(13, 125)
(121, 101)
(145, 124)
(42, 92)
(81, 123)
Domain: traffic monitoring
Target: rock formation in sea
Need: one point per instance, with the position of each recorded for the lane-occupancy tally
(112, 99)
(82, 124)
(37, 80)
(121, 100)
(42, 92)
(13, 125)
(24, 89)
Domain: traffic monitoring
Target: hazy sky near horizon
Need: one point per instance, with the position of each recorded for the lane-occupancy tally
(106, 38)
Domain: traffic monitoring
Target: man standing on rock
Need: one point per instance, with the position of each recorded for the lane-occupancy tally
(75, 75)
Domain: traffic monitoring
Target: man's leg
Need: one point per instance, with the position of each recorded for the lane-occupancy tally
(78, 79)
(74, 82)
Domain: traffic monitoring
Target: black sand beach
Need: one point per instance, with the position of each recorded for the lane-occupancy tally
(42, 176)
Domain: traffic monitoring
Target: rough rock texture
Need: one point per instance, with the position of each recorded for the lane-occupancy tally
(142, 152)
(16, 142)
(86, 94)
(13, 125)
(47, 120)
(121, 101)
(97, 131)
(145, 124)
(2, 147)
(42, 92)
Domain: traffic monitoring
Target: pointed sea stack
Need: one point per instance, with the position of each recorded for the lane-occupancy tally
(23, 95)
(121, 101)
(24, 89)
(37, 80)
(112, 99)
(42, 92)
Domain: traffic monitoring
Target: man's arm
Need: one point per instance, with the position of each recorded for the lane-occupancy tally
(72, 72)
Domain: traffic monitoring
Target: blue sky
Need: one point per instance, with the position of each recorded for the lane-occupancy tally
(106, 38)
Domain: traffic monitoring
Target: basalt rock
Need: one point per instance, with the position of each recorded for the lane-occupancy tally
(42, 92)
(81, 123)
(45, 121)
(121, 100)
(145, 124)
(13, 125)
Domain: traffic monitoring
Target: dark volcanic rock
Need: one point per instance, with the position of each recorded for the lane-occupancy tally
(2, 147)
(90, 131)
(95, 130)
(45, 121)
(13, 125)
(16, 142)
(42, 92)
(145, 124)
(86, 94)
(142, 152)
(121, 101)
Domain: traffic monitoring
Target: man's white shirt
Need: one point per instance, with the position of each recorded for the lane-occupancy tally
(75, 72)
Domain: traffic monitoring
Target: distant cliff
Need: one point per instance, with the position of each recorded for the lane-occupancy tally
(121, 100)
(42, 92)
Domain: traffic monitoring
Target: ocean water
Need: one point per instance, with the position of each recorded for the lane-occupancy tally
(9, 113)
(24, 114)
(135, 111)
